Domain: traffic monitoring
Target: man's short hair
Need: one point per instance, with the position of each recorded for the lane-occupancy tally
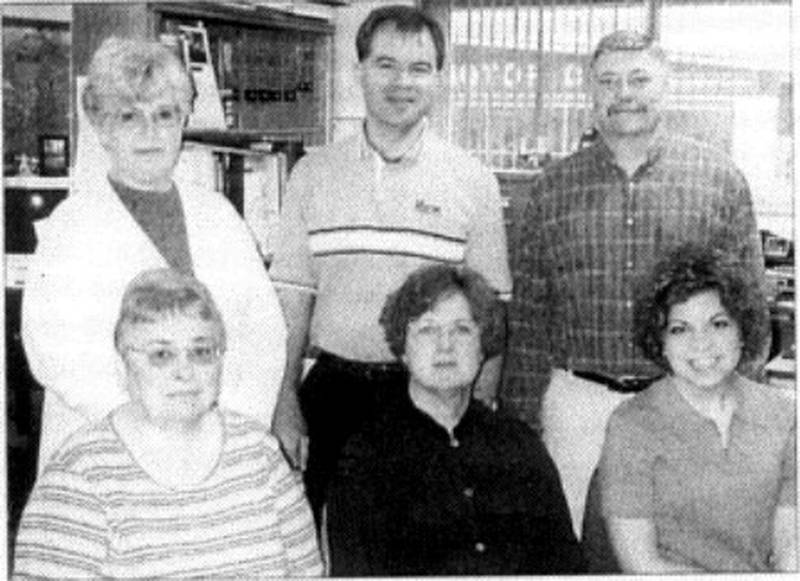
(627, 40)
(406, 19)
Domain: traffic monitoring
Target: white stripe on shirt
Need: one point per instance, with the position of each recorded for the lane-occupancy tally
(371, 240)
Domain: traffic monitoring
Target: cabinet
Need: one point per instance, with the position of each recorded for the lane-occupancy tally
(27, 199)
(36, 85)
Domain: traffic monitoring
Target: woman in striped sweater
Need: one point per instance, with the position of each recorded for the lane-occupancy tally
(168, 484)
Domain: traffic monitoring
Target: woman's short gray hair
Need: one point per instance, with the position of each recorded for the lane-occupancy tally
(125, 71)
(154, 295)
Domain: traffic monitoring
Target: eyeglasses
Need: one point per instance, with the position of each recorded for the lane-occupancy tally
(391, 69)
(163, 356)
(461, 330)
(135, 119)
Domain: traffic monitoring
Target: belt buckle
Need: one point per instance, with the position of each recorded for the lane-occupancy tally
(631, 383)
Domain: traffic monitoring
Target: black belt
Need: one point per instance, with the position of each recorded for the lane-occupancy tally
(365, 368)
(623, 384)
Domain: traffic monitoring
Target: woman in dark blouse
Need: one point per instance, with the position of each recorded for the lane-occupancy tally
(439, 484)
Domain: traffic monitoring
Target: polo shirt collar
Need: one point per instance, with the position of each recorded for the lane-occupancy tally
(747, 407)
(367, 151)
(670, 402)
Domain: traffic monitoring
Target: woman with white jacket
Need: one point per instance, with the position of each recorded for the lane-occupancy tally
(137, 97)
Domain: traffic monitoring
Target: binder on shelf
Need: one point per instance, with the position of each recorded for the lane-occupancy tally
(208, 112)
(264, 183)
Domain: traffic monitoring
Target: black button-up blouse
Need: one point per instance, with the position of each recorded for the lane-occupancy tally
(409, 498)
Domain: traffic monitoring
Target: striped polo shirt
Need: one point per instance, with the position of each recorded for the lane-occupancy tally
(354, 226)
(95, 512)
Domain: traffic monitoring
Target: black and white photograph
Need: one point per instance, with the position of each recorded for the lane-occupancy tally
(415, 288)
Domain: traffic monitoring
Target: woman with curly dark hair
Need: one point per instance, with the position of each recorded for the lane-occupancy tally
(698, 472)
(439, 484)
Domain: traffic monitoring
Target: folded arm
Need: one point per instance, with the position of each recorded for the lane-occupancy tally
(634, 542)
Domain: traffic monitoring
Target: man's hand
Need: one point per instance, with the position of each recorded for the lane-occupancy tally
(487, 382)
(288, 424)
(289, 427)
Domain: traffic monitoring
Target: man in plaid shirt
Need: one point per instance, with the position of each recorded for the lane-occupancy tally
(594, 223)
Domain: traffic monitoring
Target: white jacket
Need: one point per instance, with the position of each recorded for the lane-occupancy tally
(88, 251)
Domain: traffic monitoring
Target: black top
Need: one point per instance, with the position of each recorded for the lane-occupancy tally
(409, 499)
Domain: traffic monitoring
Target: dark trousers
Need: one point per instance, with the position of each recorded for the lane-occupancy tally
(336, 398)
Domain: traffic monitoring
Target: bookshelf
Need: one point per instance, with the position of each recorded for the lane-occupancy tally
(39, 183)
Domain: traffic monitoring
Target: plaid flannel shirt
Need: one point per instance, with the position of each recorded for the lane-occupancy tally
(588, 232)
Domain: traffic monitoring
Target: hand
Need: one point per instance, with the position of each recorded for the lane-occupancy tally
(290, 429)
(492, 404)
(487, 382)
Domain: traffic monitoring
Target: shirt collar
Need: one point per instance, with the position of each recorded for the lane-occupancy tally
(411, 154)
(471, 415)
(746, 408)
(669, 400)
(671, 403)
(126, 191)
(657, 146)
(654, 151)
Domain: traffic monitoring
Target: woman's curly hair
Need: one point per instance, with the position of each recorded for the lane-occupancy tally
(687, 271)
(430, 284)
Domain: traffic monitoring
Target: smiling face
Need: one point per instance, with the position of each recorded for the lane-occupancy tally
(399, 78)
(702, 343)
(143, 142)
(443, 347)
(628, 91)
(173, 368)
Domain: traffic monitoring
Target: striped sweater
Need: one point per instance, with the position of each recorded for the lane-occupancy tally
(96, 513)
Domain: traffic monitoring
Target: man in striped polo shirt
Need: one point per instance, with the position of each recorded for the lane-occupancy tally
(594, 224)
(360, 215)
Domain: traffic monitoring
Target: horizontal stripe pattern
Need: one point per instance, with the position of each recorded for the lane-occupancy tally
(387, 241)
(286, 284)
(95, 512)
